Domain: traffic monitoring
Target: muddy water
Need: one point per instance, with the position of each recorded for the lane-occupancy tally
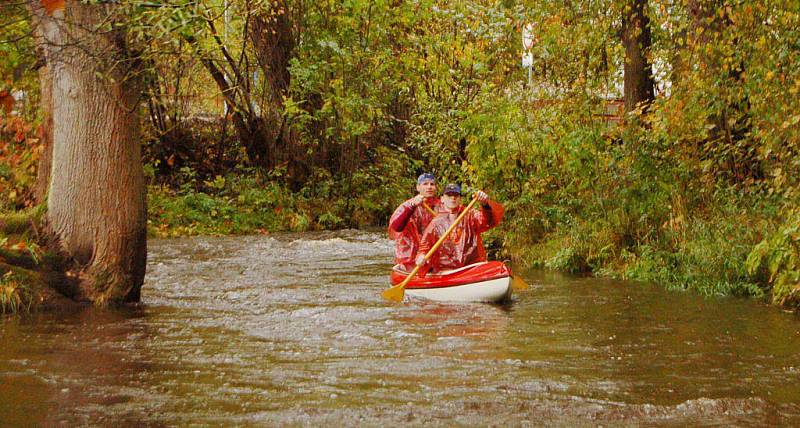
(290, 330)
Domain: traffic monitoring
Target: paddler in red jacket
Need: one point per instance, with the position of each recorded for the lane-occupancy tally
(411, 218)
(464, 246)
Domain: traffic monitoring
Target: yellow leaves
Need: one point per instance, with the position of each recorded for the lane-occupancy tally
(794, 120)
(52, 6)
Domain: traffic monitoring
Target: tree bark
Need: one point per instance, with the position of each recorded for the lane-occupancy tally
(271, 35)
(45, 136)
(273, 42)
(638, 72)
(250, 128)
(96, 203)
(42, 183)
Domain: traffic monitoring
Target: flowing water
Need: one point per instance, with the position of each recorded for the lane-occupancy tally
(291, 330)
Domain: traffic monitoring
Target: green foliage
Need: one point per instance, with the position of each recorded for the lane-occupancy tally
(247, 204)
(242, 206)
(15, 296)
(706, 260)
(778, 257)
(678, 195)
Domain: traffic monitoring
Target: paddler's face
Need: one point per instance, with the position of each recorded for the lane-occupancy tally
(451, 201)
(427, 188)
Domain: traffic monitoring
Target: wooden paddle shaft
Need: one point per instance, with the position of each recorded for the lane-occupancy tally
(439, 242)
(429, 208)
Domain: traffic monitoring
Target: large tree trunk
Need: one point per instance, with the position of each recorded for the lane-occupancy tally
(45, 136)
(46, 128)
(96, 203)
(638, 72)
(271, 35)
(273, 42)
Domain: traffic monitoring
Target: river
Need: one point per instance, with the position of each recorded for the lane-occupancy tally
(290, 329)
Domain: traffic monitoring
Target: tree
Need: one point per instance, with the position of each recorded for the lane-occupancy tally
(46, 129)
(255, 108)
(638, 72)
(273, 42)
(96, 204)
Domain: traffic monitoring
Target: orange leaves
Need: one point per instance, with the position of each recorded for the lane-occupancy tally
(6, 101)
(51, 6)
(16, 126)
(19, 155)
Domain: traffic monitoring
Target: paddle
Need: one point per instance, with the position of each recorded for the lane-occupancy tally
(397, 292)
(429, 208)
(519, 284)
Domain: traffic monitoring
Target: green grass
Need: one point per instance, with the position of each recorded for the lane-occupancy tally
(15, 296)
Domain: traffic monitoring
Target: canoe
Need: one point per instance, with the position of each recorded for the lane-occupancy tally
(479, 282)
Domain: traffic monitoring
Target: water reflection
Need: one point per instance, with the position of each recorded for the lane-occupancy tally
(482, 322)
(290, 329)
(58, 369)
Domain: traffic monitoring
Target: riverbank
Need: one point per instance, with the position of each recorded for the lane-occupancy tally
(243, 205)
(737, 249)
(743, 246)
(233, 205)
(740, 245)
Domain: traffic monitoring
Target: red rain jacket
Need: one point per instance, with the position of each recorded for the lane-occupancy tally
(464, 246)
(406, 226)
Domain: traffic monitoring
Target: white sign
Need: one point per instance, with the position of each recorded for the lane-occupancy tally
(528, 39)
(527, 59)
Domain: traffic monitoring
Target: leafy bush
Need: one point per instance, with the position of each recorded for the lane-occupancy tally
(778, 257)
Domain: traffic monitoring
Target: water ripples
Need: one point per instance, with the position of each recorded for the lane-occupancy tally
(290, 329)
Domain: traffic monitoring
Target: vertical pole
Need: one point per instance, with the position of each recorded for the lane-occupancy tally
(530, 75)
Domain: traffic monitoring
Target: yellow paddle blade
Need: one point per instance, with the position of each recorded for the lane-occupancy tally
(395, 293)
(519, 284)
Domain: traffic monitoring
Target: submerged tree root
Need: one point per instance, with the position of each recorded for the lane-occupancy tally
(23, 290)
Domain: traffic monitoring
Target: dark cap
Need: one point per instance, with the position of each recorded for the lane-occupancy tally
(452, 189)
(426, 176)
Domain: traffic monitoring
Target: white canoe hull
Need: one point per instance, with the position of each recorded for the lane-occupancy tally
(493, 290)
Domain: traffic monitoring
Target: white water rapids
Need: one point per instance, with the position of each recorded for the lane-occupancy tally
(290, 329)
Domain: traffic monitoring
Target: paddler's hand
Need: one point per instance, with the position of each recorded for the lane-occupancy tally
(417, 200)
(420, 259)
(482, 197)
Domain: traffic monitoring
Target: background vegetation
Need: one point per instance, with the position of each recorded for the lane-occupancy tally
(325, 122)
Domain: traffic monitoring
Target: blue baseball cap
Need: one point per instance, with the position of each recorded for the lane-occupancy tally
(426, 176)
(452, 188)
